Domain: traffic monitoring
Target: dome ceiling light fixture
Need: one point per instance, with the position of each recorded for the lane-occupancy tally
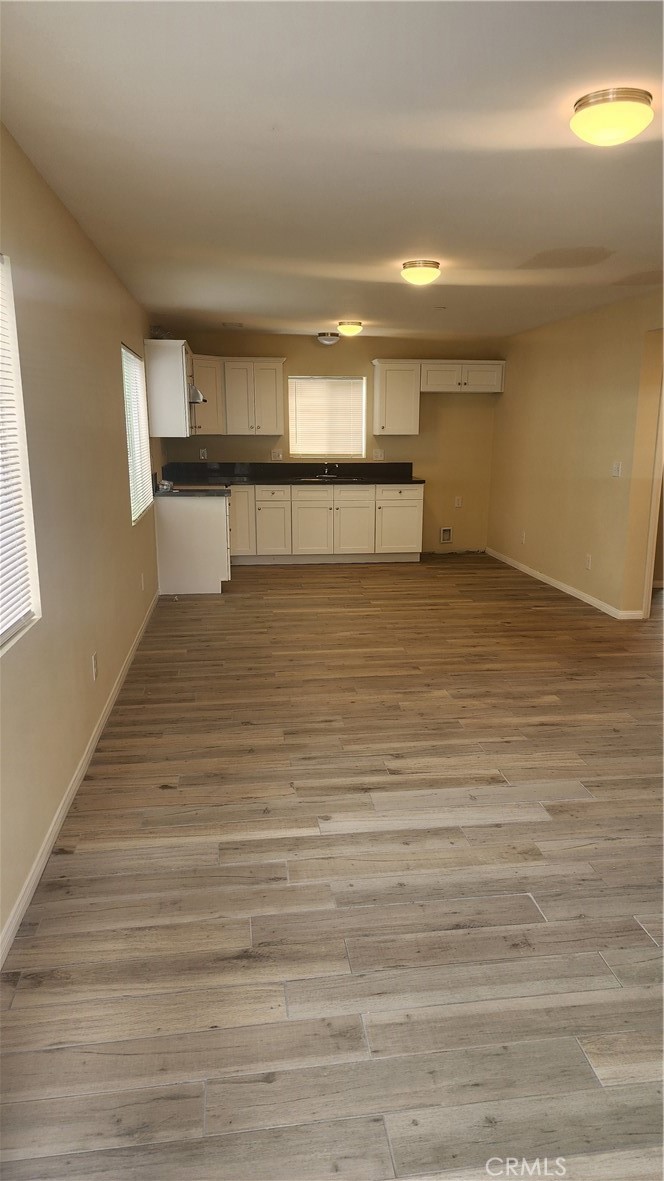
(420, 271)
(350, 327)
(327, 337)
(614, 116)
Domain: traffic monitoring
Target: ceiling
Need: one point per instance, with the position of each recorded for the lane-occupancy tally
(272, 164)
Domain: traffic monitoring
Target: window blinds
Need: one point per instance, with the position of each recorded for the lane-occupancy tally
(138, 435)
(19, 595)
(326, 416)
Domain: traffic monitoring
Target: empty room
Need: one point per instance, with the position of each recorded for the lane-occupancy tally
(331, 590)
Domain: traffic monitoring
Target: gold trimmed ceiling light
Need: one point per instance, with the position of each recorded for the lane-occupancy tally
(609, 117)
(420, 271)
(350, 327)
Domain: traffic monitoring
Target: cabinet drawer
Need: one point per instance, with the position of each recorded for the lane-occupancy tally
(273, 492)
(312, 493)
(399, 492)
(355, 494)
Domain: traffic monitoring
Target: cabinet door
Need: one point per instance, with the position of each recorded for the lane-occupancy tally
(239, 397)
(269, 397)
(273, 527)
(441, 377)
(399, 527)
(243, 521)
(483, 377)
(207, 378)
(397, 398)
(354, 528)
(312, 527)
(166, 364)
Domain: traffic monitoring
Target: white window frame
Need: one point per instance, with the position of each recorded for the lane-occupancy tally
(301, 450)
(139, 463)
(21, 605)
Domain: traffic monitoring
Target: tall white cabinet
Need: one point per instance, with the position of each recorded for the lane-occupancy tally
(169, 376)
(396, 398)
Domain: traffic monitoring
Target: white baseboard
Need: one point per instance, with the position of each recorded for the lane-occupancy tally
(19, 908)
(562, 586)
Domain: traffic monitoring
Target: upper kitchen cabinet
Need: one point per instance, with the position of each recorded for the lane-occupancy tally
(396, 397)
(469, 377)
(254, 396)
(169, 379)
(208, 378)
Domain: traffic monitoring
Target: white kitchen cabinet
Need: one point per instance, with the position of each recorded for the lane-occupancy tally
(209, 415)
(441, 377)
(193, 551)
(470, 377)
(169, 376)
(243, 520)
(354, 519)
(254, 396)
(396, 398)
(399, 518)
(273, 519)
(313, 531)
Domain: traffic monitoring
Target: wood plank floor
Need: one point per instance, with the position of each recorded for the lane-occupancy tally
(363, 883)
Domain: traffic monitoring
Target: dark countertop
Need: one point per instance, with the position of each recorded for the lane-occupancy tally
(226, 474)
(192, 492)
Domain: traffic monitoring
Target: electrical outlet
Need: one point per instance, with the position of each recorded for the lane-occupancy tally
(446, 535)
(377, 453)
(95, 667)
(589, 561)
(202, 454)
(276, 453)
(458, 501)
(523, 537)
(616, 469)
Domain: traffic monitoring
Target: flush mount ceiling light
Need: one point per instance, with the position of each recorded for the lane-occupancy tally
(349, 327)
(420, 271)
(327, 337)
(609, 117)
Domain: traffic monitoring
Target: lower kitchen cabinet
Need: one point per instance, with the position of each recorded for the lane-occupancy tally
(313, 531)
(243, 520)
(399, 519)
(309, 521)
(273, 520)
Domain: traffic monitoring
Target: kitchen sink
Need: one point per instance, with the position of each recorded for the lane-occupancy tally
(331, 479)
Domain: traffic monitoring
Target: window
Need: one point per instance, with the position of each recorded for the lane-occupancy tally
(19, 588)
(326, 416)
(138, 435)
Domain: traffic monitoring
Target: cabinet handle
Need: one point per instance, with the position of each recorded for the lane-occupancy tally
(259, 508)
(382, 428)
(379, 507)
(337, 510)
(400, 492)
(465, 383)
(258, 426)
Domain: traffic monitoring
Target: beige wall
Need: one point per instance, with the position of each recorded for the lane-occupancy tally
(571, 408)
(72, 313)
(452, 452)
